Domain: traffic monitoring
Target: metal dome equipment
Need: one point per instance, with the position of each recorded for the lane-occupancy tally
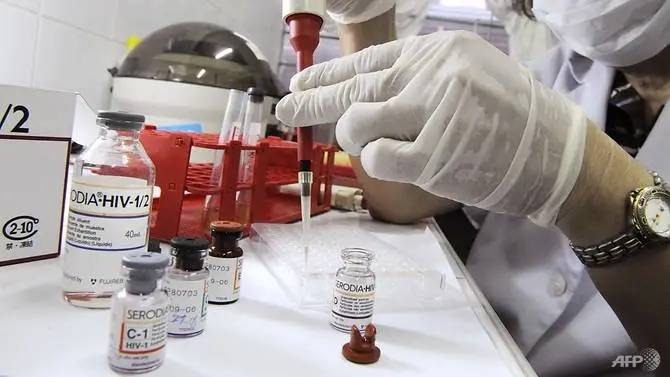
(182, 75)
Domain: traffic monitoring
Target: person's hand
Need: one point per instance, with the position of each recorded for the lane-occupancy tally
(451, 114)
(357, 11)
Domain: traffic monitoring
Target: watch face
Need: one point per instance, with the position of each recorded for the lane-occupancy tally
(657, 214)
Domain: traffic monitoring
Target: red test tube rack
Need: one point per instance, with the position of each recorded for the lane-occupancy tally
(184, 186)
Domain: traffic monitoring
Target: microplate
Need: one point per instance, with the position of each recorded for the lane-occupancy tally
(307, 274)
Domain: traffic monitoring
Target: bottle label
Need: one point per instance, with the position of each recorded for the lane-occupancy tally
(105, 220)
(353, 304)
(138, 337)
(224, 279)
(188, 306)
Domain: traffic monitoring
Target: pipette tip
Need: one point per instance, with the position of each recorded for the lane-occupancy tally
(305, 209)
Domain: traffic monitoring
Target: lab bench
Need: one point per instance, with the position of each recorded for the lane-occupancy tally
(264, 333)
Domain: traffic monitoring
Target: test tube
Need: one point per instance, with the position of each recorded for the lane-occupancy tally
(231, 129)
(254, 121)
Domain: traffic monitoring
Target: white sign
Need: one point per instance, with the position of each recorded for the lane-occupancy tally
(35, 134)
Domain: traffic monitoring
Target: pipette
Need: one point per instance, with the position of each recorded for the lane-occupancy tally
(304, 19)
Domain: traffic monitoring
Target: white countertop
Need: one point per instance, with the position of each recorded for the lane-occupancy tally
(261, 335)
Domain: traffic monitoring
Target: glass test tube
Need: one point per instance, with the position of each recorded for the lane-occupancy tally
(254, 121)
(231, 129)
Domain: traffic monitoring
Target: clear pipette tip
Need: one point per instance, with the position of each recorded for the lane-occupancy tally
(305, 181)
(305, 209)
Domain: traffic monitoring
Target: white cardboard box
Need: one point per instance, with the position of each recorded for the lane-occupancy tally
(35, 133)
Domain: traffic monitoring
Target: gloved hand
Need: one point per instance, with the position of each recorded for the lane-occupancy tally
(357, 11)
(451, 114)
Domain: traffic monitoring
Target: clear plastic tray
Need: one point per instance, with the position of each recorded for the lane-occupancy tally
(307, 274)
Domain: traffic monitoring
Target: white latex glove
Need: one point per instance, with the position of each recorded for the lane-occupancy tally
(451, 114)
(357, 11)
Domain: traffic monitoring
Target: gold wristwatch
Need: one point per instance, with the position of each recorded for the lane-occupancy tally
(648, 222)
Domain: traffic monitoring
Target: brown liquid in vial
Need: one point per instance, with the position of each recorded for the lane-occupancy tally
(225, 262)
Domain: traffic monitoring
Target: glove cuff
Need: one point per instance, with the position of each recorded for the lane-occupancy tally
(576, 124)
(547, 161)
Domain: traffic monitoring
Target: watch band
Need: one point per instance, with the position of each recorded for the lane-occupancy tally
(658, 180)
(620, 247)
(609, 251)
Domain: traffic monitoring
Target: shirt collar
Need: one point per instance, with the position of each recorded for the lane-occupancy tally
(579, 66)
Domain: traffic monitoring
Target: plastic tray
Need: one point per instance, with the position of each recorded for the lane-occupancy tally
(307, 274)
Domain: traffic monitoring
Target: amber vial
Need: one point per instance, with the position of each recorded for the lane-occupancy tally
(224, 262)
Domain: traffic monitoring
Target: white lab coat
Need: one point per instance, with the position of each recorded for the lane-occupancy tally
(528, 39)
(537, 285)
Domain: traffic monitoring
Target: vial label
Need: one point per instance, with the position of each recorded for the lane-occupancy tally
(352, 304)
(188, 306)
(138, 337)
(224, 279)
(105, 219)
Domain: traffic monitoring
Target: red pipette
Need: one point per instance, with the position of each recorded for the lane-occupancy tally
(304, 19)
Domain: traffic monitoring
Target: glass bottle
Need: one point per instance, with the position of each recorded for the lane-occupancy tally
(139, 315)
(354, 292)
(110, 205)
(225, 262)
(186, 286)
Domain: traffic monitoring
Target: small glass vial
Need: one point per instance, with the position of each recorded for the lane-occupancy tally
(354, 293)
(186, 285)
(225, 262)
(139, 315)
(110, 204)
